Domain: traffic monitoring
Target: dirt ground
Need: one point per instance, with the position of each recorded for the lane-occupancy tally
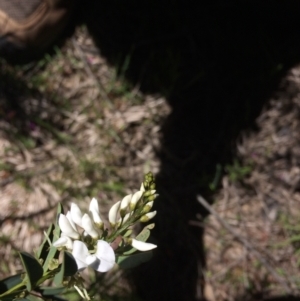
(260, 201)
(209, 104)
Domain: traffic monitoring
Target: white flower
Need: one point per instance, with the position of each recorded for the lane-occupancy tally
(76, 214)
(142, 246)
(66, 227)
(87, 225)
(113, 213)
(94, 210)
(135, 198)
(102, 261)
(64, 241)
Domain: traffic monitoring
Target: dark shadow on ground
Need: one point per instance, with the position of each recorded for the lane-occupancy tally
(217, 62)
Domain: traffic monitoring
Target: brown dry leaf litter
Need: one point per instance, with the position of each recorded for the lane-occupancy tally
(263, 208)
(84, 138)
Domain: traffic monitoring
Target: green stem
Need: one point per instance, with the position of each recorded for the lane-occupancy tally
(18, 286)
(13, 289)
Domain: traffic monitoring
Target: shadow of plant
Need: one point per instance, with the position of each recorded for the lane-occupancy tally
(216, 63)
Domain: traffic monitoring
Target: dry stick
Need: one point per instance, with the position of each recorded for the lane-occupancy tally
(246, 243)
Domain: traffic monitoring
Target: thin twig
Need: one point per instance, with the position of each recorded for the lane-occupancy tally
(245, 242)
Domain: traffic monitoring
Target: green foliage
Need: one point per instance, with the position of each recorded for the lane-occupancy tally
(133, 260)
(68, 267)
(33, 269)
(237, 172)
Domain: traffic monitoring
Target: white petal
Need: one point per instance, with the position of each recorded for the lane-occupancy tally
(135, 198)
(142, 246)
(60, 242)
(94, 205)
(142, 187)
(125, 201)
(92, 260)
(69, 217)
(94, 210)
(113, 213)
(76, 214)
(151, 214)
(106, 255)
(80, 253)
(88, 226)
(96, 217)
(66, 227)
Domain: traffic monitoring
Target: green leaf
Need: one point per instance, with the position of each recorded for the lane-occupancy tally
(10, 282)
(50, 291)
(33, 269)
(131, 261)
(67, 268)
(44, 248)
(60, 210)
(144, 235)
(56, 232)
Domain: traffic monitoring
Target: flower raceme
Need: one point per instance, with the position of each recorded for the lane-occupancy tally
(98, 247)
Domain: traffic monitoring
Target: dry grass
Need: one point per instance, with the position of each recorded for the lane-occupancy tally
(76, 132)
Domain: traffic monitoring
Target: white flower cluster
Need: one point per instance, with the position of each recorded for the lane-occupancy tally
(102, 257)
(88, 246)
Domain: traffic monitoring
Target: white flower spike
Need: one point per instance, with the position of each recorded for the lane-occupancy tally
(142, 246)
(66, 227)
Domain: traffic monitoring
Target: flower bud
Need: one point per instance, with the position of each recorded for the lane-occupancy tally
(94, 211)
(145, 218)
(124, 204)
(147, 207)
(142, 246)
(135, 198)
(149, 193)
(113, 214)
